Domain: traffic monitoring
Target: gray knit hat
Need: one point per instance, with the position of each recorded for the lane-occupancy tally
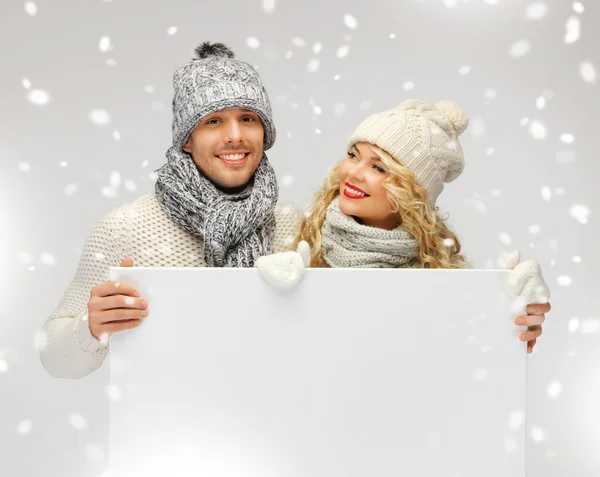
(421, 136)
(214, 81)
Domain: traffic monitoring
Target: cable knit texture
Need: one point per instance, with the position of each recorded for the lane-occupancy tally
(142, 231)
(421, 136)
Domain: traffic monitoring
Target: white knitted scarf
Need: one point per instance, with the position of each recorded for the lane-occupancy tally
(348, 244)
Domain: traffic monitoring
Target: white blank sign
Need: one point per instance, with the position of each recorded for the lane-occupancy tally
(354, 373)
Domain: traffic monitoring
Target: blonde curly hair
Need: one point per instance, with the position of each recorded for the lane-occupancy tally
(438, 245)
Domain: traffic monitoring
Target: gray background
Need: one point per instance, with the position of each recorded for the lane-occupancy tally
(61, 171)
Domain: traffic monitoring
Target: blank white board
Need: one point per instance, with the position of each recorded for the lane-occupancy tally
(354, 373)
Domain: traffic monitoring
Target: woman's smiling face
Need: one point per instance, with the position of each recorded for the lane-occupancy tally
(362, 194)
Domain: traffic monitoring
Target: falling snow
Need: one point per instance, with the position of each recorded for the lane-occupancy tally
(313, 65)
(590, 325)
(114, 179)
(299, 42)
(31, 8)
(350, 21)
(536, 11)
(546, 193)
(100, 117)
(464, 70)
(573, 325)
(268, 5)
(408, 86)
(537, 434)
(480, 374)
(77, 421)
(564, 280)
(490, 94)
(540, 102)
(537, 130)
(25, 427)
(252, 42)
(588, 72)
(520, 48)
(105, 44)
(477, 127)
(343, 51)
(567, 138)
(554, 389)
(39, 97)
(113, 392)
(48, 259)
(172, 30)
(580, 213)
(573, 30)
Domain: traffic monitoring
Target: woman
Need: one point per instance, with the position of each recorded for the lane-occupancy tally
(377, 207)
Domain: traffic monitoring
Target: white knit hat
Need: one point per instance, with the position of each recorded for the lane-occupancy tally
(421, 136)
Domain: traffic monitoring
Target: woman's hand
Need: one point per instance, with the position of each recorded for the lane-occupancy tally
(285, 269)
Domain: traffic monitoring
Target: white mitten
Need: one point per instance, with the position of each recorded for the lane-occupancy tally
(285, 269)
(526, 280)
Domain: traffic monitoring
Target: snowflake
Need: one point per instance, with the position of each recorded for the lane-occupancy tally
(573, 30)
(105, 44)
(537, 434)
(588, 72)
(554, 389)
(520, 48)
(343, 51)
(350, 21)
(268, 5)
(536, 11)
(252, 42)
(313, 65)
(39, 97)
(100, 117)
(30, 8)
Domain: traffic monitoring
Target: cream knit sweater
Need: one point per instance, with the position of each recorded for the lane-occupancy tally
(139, 230)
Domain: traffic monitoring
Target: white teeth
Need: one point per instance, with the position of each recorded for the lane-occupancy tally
(232, 157)
(354, 192)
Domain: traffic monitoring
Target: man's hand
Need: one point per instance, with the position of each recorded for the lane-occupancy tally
(114, 306)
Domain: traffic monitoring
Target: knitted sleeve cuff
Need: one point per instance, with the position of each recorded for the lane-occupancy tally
(84, 336)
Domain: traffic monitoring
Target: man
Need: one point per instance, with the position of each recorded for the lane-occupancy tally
(214, 205)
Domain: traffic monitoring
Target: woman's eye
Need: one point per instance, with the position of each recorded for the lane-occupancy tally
(211, 121)
(247, 119)
(351, 155)
(379, 169)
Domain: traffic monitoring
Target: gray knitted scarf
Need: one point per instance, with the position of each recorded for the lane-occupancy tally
(236, 228)
(348, 244)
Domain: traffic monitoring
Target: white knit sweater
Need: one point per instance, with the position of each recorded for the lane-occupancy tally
(139, 230)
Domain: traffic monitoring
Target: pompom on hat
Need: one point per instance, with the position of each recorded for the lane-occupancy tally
(212, 81)
(421, 136)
